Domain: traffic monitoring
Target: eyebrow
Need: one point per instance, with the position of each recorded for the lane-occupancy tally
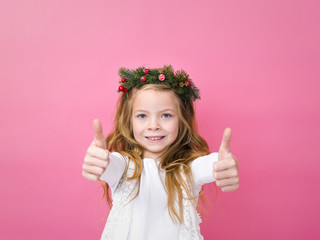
(164, 110)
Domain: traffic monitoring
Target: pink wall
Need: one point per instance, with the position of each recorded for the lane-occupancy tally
(256, 63)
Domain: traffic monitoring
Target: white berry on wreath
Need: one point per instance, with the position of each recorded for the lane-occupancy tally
(162, 77)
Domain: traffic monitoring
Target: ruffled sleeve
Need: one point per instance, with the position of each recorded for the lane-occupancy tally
(114, 171)
(202, 170)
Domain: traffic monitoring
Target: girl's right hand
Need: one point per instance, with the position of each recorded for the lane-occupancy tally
(96, 159)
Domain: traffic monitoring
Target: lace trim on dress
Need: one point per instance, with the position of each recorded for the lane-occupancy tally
(190, 229)
(119, 219)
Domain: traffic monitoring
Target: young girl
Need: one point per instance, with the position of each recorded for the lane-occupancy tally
(154, 162)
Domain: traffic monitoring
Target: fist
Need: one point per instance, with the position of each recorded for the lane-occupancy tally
(225, 170)
(96, 159)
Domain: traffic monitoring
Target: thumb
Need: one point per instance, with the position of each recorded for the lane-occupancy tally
(98, 134)
(225, 144)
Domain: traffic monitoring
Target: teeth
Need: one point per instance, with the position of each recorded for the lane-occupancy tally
(154, 138)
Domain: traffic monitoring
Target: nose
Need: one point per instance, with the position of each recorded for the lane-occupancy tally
(153, 124)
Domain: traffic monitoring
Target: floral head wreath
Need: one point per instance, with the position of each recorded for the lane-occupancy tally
(178, 80)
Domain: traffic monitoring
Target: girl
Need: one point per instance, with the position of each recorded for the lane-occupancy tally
(154, 162)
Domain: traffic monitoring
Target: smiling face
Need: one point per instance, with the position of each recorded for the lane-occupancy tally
(155, 121)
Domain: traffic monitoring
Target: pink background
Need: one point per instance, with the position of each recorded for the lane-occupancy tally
(255, 62)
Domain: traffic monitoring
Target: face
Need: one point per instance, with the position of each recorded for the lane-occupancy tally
(155, 121)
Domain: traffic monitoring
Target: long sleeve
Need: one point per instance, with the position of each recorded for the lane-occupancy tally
(114, 171)
(202, 170)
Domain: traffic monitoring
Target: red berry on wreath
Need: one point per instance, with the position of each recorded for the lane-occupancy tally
(123, 80)
(125, 90)
(163, 72)
(121, 88)
(188, 83)
(146, 71)
(143, 79)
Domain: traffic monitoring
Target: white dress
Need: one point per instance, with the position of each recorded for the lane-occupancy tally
(149, 215)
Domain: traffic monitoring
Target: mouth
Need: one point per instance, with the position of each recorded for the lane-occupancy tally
(155, 138)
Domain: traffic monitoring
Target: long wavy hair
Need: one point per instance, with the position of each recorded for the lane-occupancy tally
(176, 160)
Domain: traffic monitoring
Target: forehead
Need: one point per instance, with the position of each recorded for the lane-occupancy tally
(153, 100)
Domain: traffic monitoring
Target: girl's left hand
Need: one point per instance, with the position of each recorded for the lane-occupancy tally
(226, 169)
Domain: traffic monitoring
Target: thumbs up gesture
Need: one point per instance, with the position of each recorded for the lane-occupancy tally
(96, 159)
(225, 170)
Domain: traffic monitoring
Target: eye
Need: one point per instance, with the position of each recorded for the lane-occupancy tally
(142, 116)
(167, 115)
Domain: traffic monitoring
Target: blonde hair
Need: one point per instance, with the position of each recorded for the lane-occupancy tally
(188, 146)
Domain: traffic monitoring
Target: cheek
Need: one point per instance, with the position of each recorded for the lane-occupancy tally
(174, 129)
(136, 128)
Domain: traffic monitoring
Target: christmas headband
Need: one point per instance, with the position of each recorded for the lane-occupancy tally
(178, 80)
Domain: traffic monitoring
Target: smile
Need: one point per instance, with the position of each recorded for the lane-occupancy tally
(155, 138)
